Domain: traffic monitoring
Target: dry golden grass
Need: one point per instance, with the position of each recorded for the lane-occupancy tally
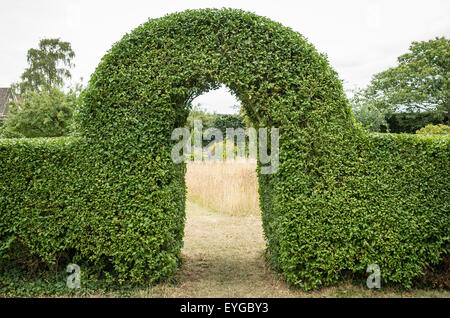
(227, 187)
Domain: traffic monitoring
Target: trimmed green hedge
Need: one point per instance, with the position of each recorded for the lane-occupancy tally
(380, 199)
(112, 200)
(59, 201)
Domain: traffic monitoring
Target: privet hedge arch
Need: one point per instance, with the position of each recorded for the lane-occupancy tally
(140, 90)
(113, 200)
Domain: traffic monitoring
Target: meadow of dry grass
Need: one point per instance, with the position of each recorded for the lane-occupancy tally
(226, 187)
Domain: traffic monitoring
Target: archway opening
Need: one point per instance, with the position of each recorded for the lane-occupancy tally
(225, 182)
(223, 240)
(219, 101)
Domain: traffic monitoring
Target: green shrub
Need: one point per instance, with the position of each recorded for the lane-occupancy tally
(370, 117)
(113, 200)
(434, 130)
(42, 114)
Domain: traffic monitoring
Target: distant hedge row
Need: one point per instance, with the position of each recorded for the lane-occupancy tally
(112, 200)
(411, 122)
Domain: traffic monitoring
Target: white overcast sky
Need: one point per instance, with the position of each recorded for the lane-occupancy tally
(360, 38)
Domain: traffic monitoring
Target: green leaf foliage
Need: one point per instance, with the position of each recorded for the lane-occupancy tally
(41, 114)
(411, 122)
(434, 130)
(113, 200)
(48, 66)
(370, 116)
(419, 82)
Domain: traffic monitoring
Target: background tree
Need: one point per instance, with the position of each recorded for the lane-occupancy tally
(42, 114)
(370, 116)
(420, 81)
(209, 120)
(224, 121)
(199, 113)
(42, 108)
(48, 66)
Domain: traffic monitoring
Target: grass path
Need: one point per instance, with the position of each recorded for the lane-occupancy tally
(223, 257)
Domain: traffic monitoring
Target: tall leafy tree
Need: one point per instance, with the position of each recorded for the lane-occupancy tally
(420, 81)
(42, 109)
(48, 66)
